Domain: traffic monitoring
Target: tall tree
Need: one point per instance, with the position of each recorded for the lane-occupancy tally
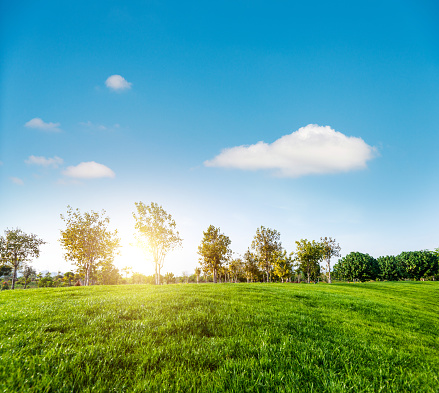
(330, 248)
(389, 268)
(283, 265)
(419, 264)
(214, 250)
(16, 248)
(250, 266)
(235, 268)
(28, 273)
(87, 242)
(197, 273)
(308, 255)
(158, 233)
(265, 244)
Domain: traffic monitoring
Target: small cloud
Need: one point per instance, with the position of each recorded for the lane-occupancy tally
(46, 162)
(310, 150)
(97, 127)
(41, 125)
(17, 180)
(117, 82)
(88, 170)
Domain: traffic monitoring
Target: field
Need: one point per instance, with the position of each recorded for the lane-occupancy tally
(367, 337)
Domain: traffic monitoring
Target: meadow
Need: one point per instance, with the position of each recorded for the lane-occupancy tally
(368, 337)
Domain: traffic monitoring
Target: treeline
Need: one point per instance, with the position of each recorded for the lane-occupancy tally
(411, 265)
(91, 247)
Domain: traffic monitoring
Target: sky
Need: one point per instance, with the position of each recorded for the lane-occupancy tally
(317, 118)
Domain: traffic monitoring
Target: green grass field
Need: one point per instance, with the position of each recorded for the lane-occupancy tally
(368, 337)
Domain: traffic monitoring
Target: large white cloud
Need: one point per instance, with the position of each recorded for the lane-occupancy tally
(41, 125)
(88, 170)
(46, 162)
(309, 150)
(117, 82)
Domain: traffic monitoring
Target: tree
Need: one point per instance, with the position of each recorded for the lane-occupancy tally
(157, 233)
(250, 266)
(87, 242)
(419, 264)
(5, 270)
(17, 248)
(265, 244)
(389, 268)
(329, 249)
(235, 268)
(68, 277)
(198, 273)
(308, 255)
(170, 278)
(214, 250)
(357, 266)
(283, 265)
(28, 273)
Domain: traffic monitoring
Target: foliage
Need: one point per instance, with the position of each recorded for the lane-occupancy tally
(308, 256)
(266, 244)
(419, 264)
(87, 242)
(46, 281)
(169, 278)
(17, 248)
(214, 250)
(28, 273)
(235, 268)
(283, 265)
(358, 266)
(5, 270)
(157, 233)
(330, 249)
(389, 268)
(197, 273)
(250, 266)
(5, 285)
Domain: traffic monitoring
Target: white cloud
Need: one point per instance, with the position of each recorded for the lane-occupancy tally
(88, 170)
(309, 150)
(17, 180)
(117, 82)
(46, 162)
(93, 126)
(41, 125)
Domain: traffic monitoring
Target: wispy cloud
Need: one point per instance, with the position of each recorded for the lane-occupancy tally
(117, 83)
(88, 170)
(39, 124)
(54, 162)
(310, 150)
(17, 180)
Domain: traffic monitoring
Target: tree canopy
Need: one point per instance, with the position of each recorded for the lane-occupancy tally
(214, 250)
(17, 248)
(266, 244)
(157, 233)
(87, 242)
(308, 255)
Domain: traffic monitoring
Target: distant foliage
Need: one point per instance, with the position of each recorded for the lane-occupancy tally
(266, 245)
(419, 264)
(357, 266)
(390, 268)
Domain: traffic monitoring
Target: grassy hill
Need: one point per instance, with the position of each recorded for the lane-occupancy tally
(368, 337)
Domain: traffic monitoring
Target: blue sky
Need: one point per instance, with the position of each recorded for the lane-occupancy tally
(195, 78)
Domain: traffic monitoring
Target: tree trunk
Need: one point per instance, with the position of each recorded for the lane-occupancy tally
(329, 272)
(308, 277)
(214, 276)
(14, 275)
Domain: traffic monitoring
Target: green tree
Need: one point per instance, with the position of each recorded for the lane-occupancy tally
(28, 272)
(17, 248)
(283, 265)
(214, 250)
(308, 255)
(5, 270)
(157, 233)
(170, 278)
(197, 273)
(389, 268)
(357, 266)
(68, 277)
(87, 242)
(235, 268)
(330, 249)
(250, 266)
(266, 244)
(418, 264)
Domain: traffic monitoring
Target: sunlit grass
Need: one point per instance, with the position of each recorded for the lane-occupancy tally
(226, 337)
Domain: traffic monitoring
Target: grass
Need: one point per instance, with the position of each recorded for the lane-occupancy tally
(373, 337)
